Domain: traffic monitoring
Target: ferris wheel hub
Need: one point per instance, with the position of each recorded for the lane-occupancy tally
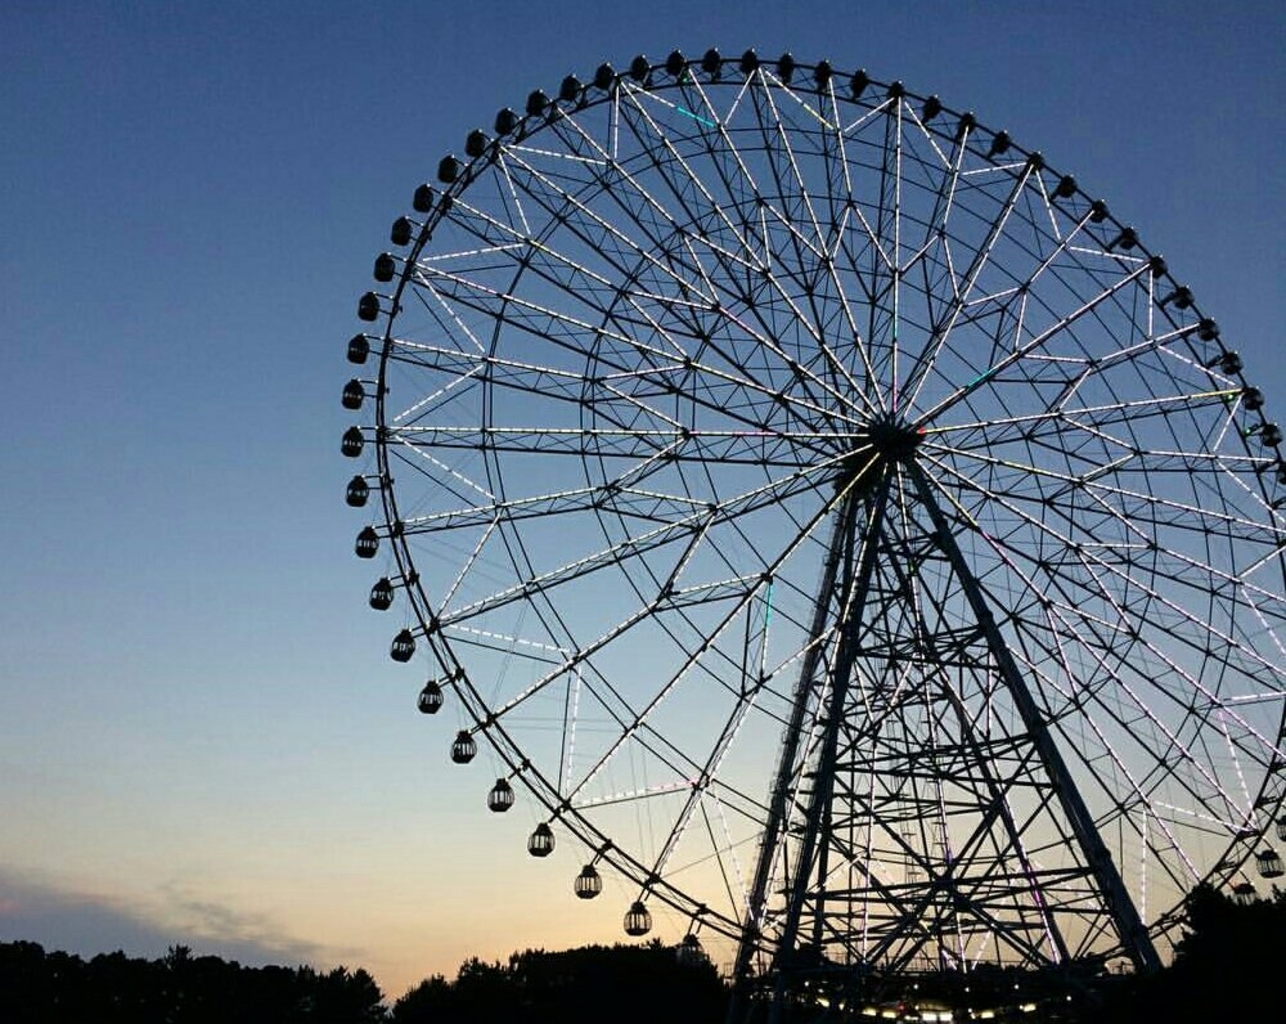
(883, 441)
(893, 439)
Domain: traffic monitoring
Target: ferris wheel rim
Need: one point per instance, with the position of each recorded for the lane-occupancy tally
(509, 750)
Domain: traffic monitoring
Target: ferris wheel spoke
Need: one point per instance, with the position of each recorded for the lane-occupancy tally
(1166, 694)
(823, 256)
(1142, 519)
(875, 264)
(1119, 713)
(934, 258)
(896, 343)
(1209, 799)
(814, 389)
(641, 546)
(740, 186)
(844, 196)
(666, 370)
(776, 141)
(691, 660)
(1200, 699)
(1128, 726)
(756, 265)
(1097, 481)
(520, 243)
(622, 497)
(1197, 632)
(541, 321)
(997, 430)
(1064, 632)
(1027, 348)
(725, 849)
(960, 301)
(962, 290)
(592, 230)
(662, 153)
(741, 256)
(660, 538)
(1218, 582)
(636, 733)
(458, 367)
(701, 785)
(769, 448)
(1090, 559)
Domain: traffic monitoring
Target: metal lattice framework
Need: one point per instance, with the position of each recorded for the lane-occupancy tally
(840, 524)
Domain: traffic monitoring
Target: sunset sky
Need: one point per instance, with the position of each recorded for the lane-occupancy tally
(202, 738)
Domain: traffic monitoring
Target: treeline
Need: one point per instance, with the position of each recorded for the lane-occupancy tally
(649, 984)
(1226, 968)
(60, 988)
(624, 984)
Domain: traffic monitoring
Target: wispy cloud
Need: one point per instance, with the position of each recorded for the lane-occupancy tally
(63, 917)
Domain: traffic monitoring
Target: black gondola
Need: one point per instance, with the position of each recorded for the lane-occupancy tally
(541, 841)
(368, 543)
(589, 883)
(464, 748)
(430, 700)
(501, 797)
(403, 646)
(638, 919)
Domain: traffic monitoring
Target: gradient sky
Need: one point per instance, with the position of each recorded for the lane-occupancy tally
(202, 739)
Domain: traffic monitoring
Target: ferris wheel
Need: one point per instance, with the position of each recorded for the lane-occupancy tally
(829, 519)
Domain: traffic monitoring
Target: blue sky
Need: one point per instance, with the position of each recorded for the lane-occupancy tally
(202, 739)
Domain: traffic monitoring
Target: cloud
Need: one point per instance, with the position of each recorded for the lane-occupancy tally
(61, 917)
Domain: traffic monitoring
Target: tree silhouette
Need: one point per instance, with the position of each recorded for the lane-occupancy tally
(345, 997)
(1226, 966)
(433, 999)
(1225, 969)
(623, 984)
(179, 988)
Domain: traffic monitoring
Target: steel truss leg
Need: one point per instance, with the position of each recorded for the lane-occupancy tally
(1133, 934)
(854, 587)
